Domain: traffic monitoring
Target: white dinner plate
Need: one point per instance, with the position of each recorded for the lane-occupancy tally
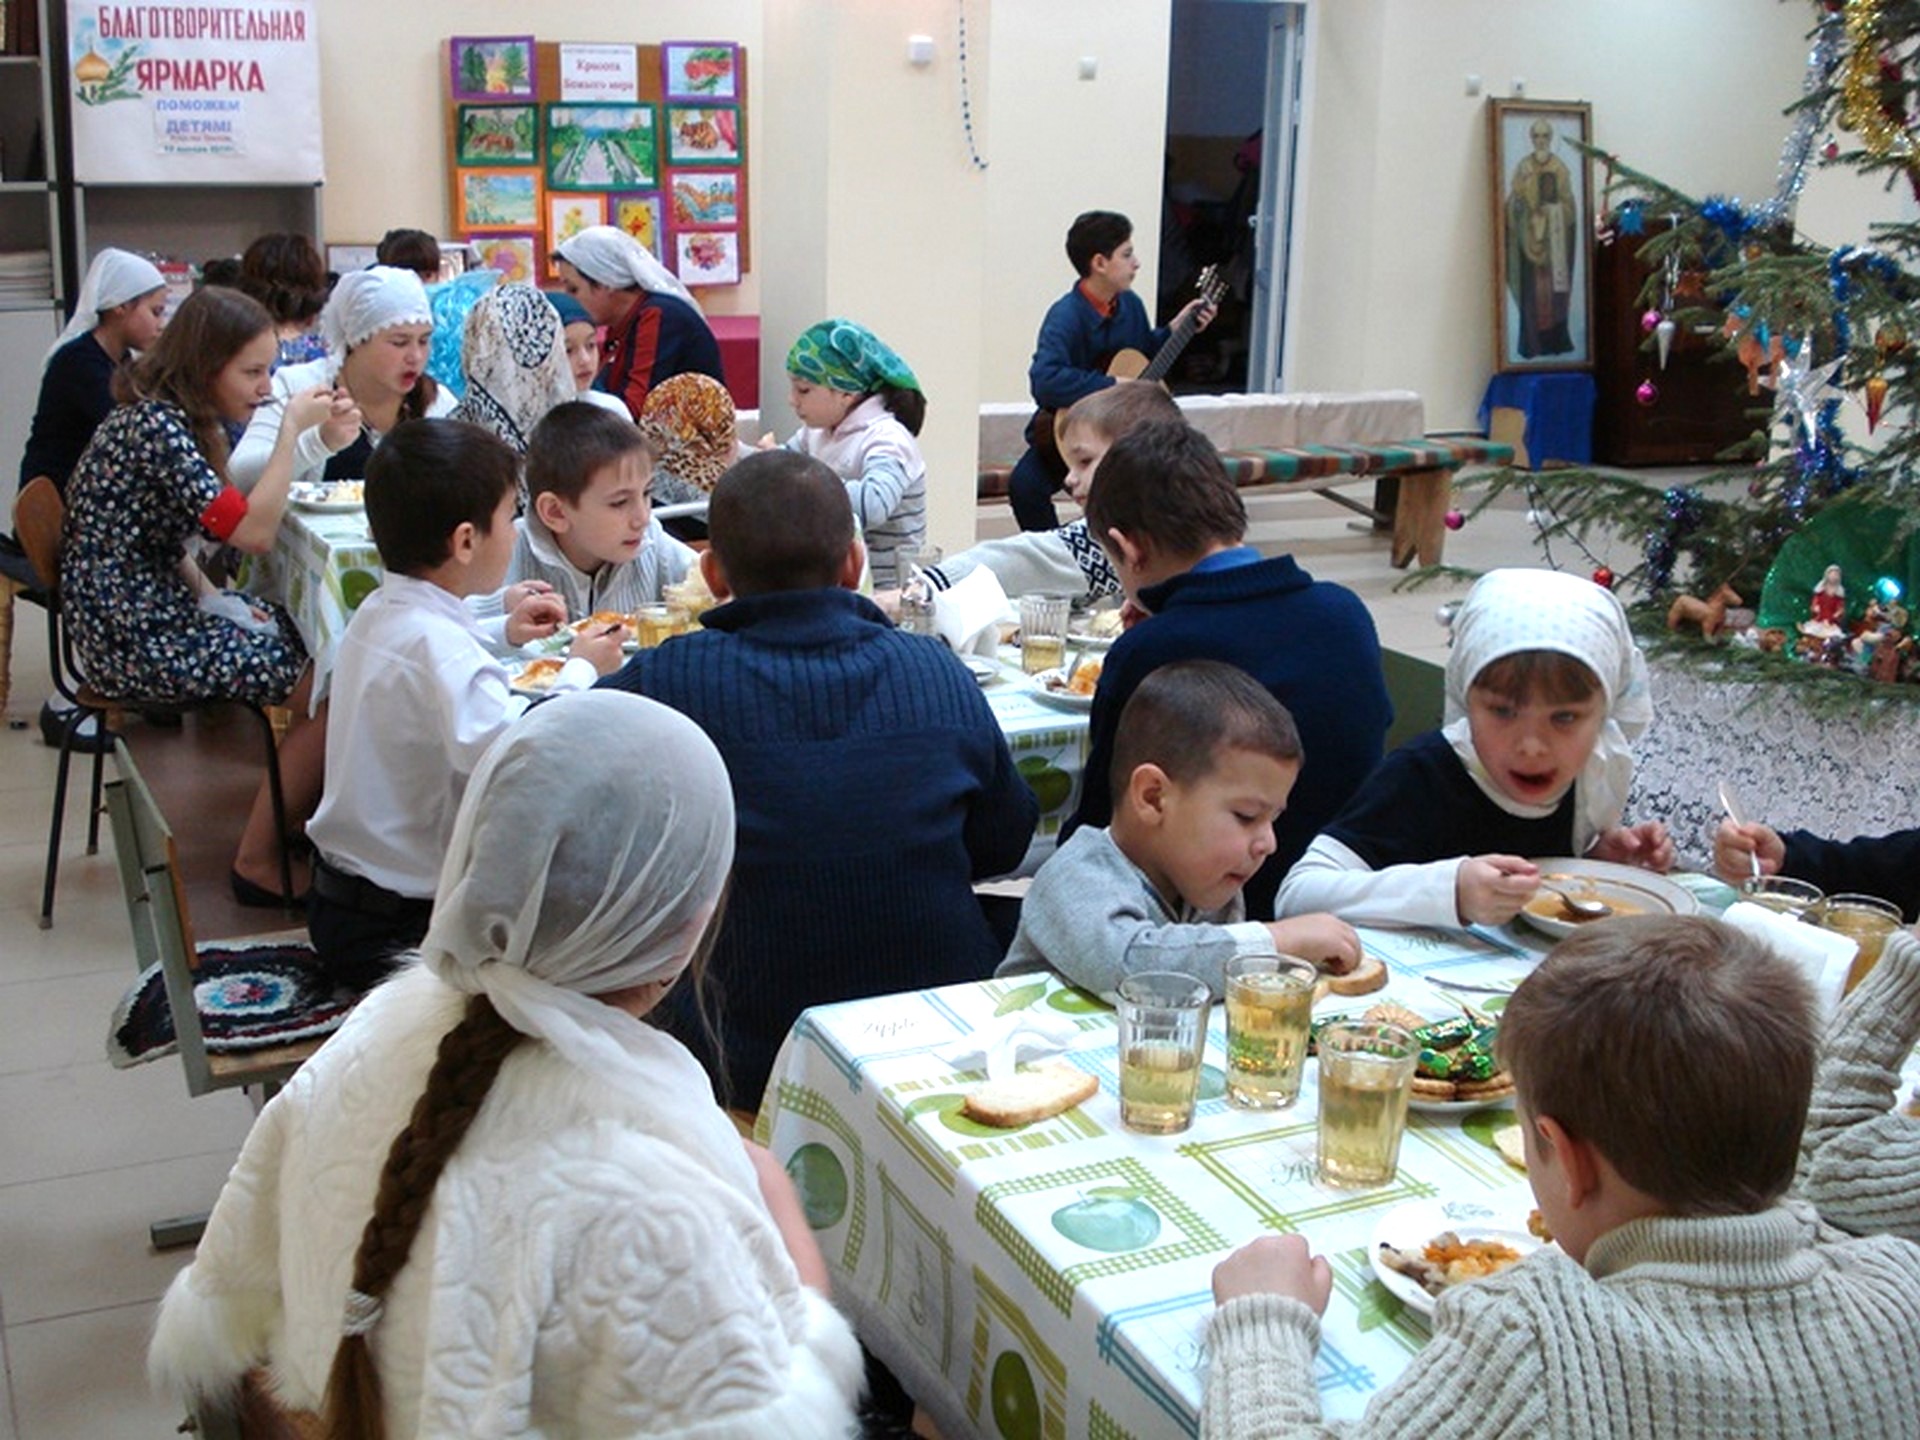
(983, 670)
(1059, 699)
(1411, 1226)
(1618, 885)
(1081, 640)
(1457, 1107)
(323, 497)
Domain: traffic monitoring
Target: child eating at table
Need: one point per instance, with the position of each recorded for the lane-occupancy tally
(1883, 865)
(1545, 693)
(1203, 762)
(1068, 561)
(1663, 1066)
(417, 694)
(589, 531)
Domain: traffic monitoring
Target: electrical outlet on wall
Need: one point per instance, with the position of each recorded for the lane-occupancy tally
(1519, 86)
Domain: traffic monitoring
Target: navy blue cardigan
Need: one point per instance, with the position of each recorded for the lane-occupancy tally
(873, 787)
(1310, 642)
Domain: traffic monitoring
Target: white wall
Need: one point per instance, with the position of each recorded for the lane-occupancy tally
(383, 98)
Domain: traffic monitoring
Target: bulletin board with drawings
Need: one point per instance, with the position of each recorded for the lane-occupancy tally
(545, 138)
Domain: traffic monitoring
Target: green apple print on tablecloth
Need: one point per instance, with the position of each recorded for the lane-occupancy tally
(822, 1182)
(1050, 784)
(1109, 1218)
(1016, 1404)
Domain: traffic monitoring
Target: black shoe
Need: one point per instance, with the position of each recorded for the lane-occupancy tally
(259, 897)
(92, 736)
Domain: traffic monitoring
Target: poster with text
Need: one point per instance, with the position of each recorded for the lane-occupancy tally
(186, 94)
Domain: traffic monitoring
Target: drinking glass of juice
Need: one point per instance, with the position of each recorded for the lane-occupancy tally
(1269, 1006)
(1366, 1078)
(1163, 1038)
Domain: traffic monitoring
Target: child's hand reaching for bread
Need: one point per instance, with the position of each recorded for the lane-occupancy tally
(1275, 1265)
(1326, 941)
(1647, 845)
(1490, 889)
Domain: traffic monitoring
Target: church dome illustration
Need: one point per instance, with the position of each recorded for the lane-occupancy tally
(90, 69)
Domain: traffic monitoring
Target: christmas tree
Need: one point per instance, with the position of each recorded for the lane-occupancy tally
(1822, 327)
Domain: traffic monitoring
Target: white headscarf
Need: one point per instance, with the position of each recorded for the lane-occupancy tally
(587, 857)
(114, 278)
(365, 302)
(608, 255)
(1508, 611)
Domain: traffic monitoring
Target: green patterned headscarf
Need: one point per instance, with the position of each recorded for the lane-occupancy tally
(847, 357)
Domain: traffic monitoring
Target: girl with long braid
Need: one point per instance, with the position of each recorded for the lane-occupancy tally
(496, 1203)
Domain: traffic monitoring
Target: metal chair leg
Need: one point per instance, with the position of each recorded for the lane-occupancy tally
(99, 762)
(278, 795)
(59, 814)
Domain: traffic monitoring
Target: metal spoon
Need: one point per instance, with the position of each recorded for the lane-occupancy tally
(1577, 908)
(1730, 803)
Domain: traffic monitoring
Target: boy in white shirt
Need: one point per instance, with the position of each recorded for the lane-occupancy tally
(417, 695)
(589, 530)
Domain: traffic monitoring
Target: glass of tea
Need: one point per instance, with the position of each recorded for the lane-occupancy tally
(1043, 632)
(1866, 920)
(1366, 1078)
(656, 625)
(1782, 894)
(1163, 1040)
(1269, 1006)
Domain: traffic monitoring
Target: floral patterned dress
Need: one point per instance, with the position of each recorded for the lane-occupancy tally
(140, 491)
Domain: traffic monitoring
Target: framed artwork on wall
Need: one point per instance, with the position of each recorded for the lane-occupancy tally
(568, 215)
(491, 67)
(512, 255)
(707, 257)
(498, 199)
(699, 70)
(344, 258)
(705, 199)
(703, 135)
(602, 147)
(497, 135)
(1542, 234)
(640, 214)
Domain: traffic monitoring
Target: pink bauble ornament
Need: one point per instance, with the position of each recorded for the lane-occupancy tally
(1453, 519)
(1831, 150)
(1603, 577)
(1648, 393)
(1648, 321)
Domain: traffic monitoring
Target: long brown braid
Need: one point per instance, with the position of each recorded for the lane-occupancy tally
(469, 1058)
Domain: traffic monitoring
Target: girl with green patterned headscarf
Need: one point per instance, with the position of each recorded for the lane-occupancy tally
(861, 407)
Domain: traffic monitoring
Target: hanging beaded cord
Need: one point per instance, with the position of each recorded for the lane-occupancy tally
(966, 101)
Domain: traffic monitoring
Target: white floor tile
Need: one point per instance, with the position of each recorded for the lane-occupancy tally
(47, 1023)
(83, 1377)
(87, 1117)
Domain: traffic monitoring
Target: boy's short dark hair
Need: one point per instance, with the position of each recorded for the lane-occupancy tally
(1164, 483)
(779, 520)
(574, 442)
(1183, 715)
(1680, 1048)
(1550, 677)
(1118, 409)
(427, 477)
(413, 250)
(1097, 232)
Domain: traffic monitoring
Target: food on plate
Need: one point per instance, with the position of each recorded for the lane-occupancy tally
(1391, 1012)
(602, 621)
(1507, 1140)
(1457, 1062)
(1546, 903)
(540, 674)
(1365, 978)
(1537, 1226)
(690, 594)
(329, 492)
(1100, 624)
(1085, 678)
(1446, 1260)
(1032, 1094)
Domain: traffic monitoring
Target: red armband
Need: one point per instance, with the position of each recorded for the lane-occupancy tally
(224, 513)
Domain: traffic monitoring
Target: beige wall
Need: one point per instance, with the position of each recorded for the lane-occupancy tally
(383, 97)
(1395, 284)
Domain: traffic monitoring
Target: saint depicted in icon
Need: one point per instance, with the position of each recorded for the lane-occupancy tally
(1542, 246)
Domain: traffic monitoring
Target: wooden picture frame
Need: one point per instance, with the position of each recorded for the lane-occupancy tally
(1542, 234)
(642, 214)
(571, 211)
(516, 257)
(496, 135)
(498, 200)
(699, 70)
(704, 199)
(704, 135)
(602, 147)
(486, 68)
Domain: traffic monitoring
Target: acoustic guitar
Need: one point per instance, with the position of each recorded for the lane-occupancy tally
(1046, 431)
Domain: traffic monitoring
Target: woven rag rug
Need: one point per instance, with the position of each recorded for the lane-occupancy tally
(250, 997)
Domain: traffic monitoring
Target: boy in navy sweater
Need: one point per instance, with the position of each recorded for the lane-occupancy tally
(1173, 525)
(1083, 331)
(872, 783)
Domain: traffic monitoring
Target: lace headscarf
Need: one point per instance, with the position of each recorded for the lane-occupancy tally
(1509, 611)
(608, 255)
(365, 302)
(114, 278)
(844, 356)
(587, 857)
(514, 357)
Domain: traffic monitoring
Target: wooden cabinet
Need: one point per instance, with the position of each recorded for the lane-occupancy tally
(33, 278)
(1703, 406)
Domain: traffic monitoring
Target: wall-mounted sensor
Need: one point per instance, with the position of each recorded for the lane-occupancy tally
(1089, 67)
(919, 49)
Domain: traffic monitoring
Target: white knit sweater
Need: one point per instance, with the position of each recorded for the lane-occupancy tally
(1766, 1325)
(1861, 1164)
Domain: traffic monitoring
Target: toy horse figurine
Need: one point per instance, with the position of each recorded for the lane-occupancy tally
(1709, 614)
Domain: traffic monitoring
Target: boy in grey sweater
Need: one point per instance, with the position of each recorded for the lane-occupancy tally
(1663, 1068)
(1204, 759)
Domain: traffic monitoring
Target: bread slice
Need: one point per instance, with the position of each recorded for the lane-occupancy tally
(1512, 1148)
(1032, 1094)
(1365, 978)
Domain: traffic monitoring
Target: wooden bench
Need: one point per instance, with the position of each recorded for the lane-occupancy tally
(1420, 475)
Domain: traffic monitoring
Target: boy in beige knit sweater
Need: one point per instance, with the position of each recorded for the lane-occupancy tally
(1663, 1069)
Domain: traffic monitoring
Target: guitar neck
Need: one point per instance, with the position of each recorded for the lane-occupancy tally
(1169, 354)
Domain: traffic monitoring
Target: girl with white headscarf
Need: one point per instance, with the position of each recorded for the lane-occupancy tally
(655, 329)
(496, 1203)
(121, 309)
(377, 326)
(514, 357)
(1546, 692)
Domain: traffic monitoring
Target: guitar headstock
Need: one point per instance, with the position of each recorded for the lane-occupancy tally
(1211, 285)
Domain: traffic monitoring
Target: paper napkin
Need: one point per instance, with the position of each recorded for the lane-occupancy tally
(968, 615)
(1822, 955)
(999, 1046)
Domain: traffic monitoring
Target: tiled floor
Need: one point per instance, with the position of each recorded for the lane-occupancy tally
(90, 1154)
